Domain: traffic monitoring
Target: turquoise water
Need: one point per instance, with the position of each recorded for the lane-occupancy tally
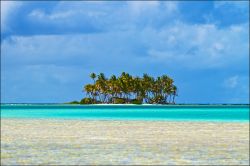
(129, 112)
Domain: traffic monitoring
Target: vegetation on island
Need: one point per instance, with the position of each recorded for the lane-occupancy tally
(127, 89)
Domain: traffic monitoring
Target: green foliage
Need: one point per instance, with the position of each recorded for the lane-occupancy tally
(119, 101)
(87, 101)
(73, 102)
(135, 101)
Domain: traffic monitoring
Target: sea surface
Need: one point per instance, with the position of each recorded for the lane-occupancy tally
(232, 113)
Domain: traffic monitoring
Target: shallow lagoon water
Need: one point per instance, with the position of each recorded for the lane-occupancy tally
(124, 134)
(129, 112)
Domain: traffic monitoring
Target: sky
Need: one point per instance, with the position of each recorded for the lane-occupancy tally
(48, 49)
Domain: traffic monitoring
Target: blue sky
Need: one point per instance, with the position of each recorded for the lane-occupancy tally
(48, 49)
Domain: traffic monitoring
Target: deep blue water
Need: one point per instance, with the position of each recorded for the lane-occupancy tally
(129, 112)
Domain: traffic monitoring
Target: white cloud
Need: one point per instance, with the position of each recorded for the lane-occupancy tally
(144, 7)
(171, 6)
(7, 7)
(60, 15)
(198, 46)
(137, 7)
(89, 51)
(108, 16)
(187, 46)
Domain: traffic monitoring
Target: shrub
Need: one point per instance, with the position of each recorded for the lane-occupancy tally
(135, 101)
(73, 102)
(119, 100)
(87, 101)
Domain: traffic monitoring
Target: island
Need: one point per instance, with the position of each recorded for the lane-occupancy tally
(128, 89)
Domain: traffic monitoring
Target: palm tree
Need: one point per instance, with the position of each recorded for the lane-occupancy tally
(174, 92)
(146, 81)
(93, 76)
(102, 86)
(128, 88)
(90, 90)
(112, 87)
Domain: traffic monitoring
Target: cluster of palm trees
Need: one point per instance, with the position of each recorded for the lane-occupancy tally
(129, 89)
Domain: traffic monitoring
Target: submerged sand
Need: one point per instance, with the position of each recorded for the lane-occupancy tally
(71, 142)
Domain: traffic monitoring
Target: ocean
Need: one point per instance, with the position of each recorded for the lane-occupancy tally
(219, 113)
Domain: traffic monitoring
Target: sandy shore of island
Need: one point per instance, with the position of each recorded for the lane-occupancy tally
(71, 142)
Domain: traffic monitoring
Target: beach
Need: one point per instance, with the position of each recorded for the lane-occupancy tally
(71, 142)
